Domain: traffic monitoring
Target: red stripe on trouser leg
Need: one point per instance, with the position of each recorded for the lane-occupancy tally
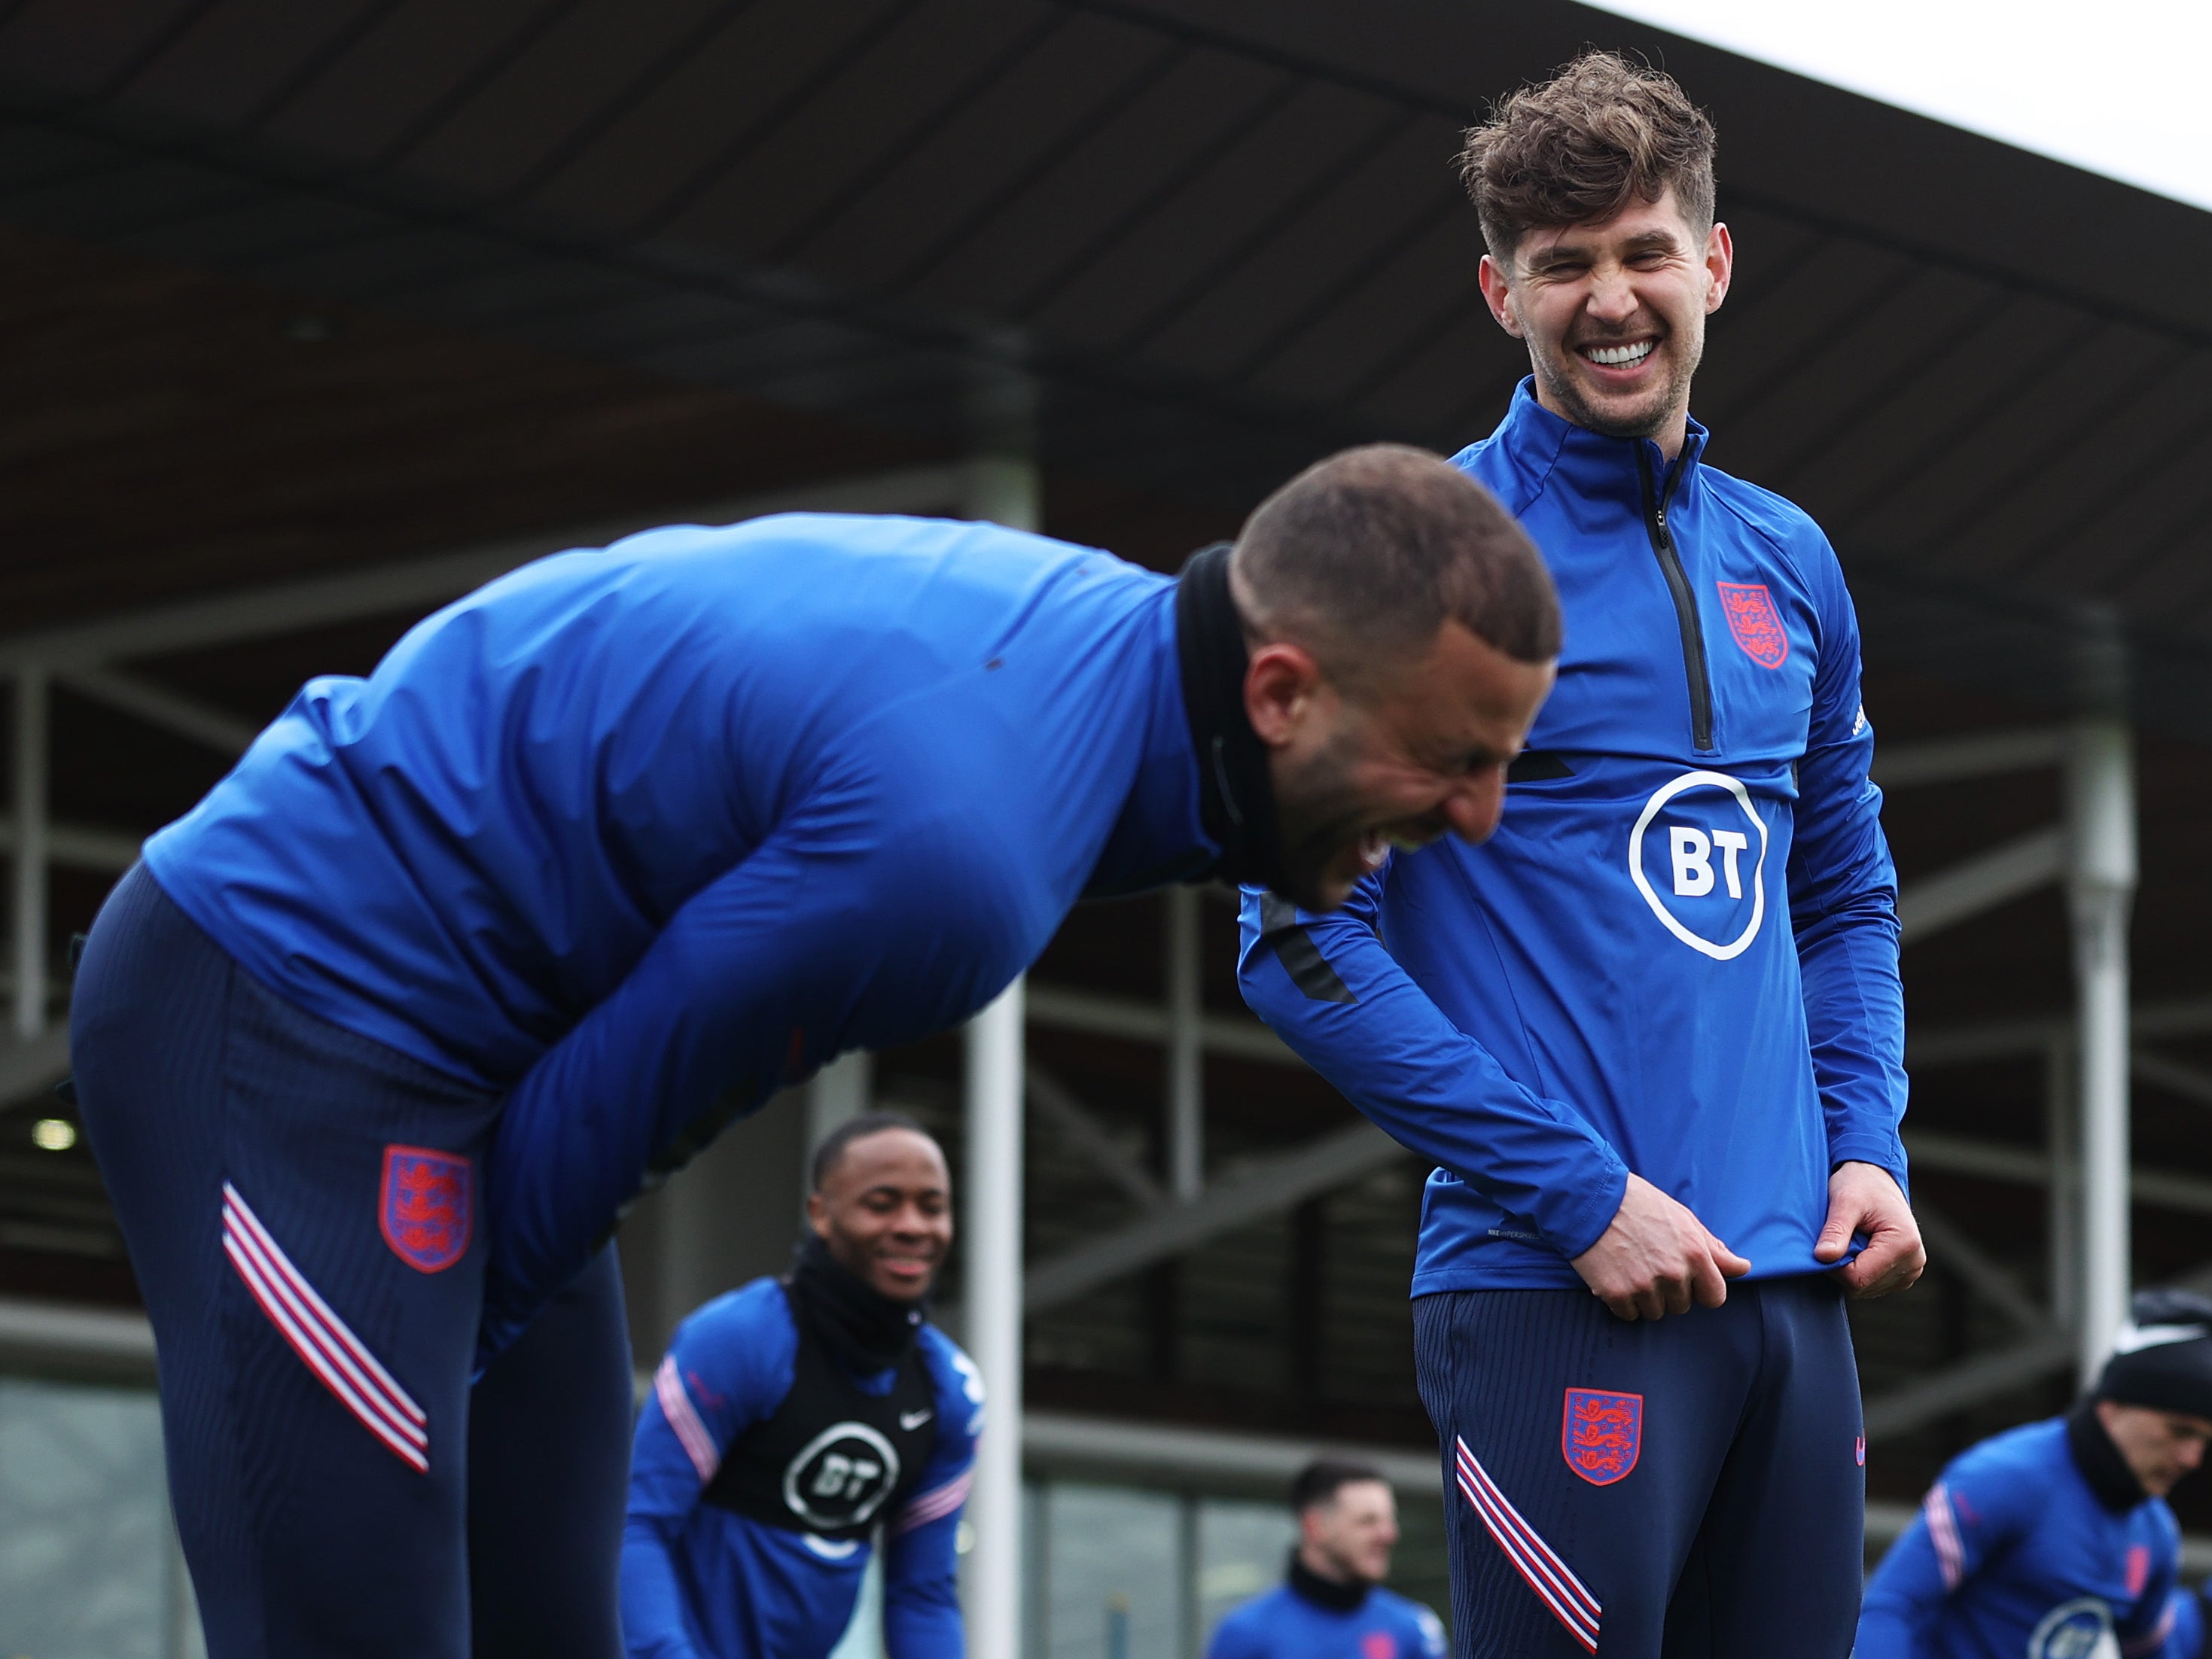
(335, 1357)
(1569, 1599)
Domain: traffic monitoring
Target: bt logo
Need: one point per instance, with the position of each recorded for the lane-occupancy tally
(1714, 850)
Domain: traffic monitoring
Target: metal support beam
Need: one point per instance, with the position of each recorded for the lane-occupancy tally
(2100, 884)
(159, 706)
(422, 583)
(1186, 1053)
(1974, 755)
(2063, 1198)
(1954, 1250)
(80, 847)
(1002, 486)
(2175, 1077)
(994, 1321)
(1072, 1121)
(1997, 1160)
(32, 737)
(1979, 884)
(1275, 1183)
(1972, 1381)
(1234, 1037)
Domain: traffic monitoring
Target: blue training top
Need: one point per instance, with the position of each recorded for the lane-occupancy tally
(1678, 955)
(702, 1581)
(2013, 1557)
(1285, 1625)
(636, 831)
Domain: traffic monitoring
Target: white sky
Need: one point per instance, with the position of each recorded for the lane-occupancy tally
(2118, 87)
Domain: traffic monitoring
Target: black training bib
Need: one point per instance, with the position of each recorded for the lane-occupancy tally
(831, 1459)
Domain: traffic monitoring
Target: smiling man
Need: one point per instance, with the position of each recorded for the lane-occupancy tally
(794, 1419)
(1652, 1032)
(381, 1039)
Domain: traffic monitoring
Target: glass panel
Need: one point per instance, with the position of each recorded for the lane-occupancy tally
(86, 1549)
(1113, 1579)
(1242, 1547)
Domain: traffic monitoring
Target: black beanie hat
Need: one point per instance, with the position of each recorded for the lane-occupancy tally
(2163, 1358)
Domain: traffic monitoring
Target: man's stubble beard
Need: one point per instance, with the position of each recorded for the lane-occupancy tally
(1558, 381)
(1318, 815)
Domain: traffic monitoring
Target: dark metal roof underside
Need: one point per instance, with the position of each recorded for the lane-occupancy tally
(1222, 238)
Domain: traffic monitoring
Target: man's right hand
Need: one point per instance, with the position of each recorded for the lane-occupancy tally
(1656, 1258)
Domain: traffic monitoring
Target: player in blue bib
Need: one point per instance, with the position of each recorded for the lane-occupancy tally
(1332, 1604)
(381, 1038)
(795, 1422)
(2054, 1540)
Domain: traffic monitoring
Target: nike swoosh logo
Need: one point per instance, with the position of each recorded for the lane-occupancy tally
(914, 1419)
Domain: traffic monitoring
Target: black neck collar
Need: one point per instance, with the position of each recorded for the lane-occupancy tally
(1236, 798)
(2100, 1462)
(864, 1330)
(1310, 1586)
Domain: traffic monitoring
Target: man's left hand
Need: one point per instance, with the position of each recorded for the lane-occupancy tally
(1864, 1198)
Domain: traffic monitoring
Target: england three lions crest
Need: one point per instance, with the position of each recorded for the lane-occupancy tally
(1755, 622)
(427, 1208)
(1602, 1434)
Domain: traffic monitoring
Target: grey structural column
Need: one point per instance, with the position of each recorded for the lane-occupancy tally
(1186, 1047)
(30, 837)
(1003, 489)
(2101, 888)
(840, 1092)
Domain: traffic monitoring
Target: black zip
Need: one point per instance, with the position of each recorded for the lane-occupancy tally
(1686, 602)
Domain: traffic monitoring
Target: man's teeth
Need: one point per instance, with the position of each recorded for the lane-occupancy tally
(1620, 356)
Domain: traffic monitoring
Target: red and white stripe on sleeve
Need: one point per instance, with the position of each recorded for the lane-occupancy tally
(1943, 1534)
(676, 1406)
(934, 1504)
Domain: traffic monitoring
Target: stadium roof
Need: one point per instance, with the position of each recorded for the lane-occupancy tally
(1217, 237)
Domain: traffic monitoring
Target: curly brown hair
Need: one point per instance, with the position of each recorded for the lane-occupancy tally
(1574, 148)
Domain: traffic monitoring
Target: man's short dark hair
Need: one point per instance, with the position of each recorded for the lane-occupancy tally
(832, 1149)
(1362, 558)
(1576, 149)
(1320, 1481)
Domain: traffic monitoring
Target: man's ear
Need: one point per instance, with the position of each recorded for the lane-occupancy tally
(1498, 293)
(817, 1215)
(1280, 683)
(1720, 264)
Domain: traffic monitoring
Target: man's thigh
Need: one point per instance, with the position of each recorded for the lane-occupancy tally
(298, 1204)
(548, 1479)
(1580, 1451)
(1777, 1564)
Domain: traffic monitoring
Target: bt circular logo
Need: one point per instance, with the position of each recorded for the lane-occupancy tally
(841, 1477)
(2080, 1629)
(1709, 866)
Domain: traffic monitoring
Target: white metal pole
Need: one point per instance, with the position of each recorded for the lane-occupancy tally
(2062, 1197)
(992, 1247)
(1186, 1052)
(840, 1091)
(31, 837)
(1003, 488)
(2101, 879)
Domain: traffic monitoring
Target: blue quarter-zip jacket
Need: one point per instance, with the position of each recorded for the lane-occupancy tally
(2012, 1557)
(1678, 955)
(700, 1581)
(636, 832)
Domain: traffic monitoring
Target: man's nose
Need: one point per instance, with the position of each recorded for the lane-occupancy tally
(1473, 808)
(1612, 296)
(2192, 1453)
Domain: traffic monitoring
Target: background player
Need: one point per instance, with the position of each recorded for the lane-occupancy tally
(601, 856)
(1653, 1032)
(2053, 1541)
(1332, 1605)
(793, 1418)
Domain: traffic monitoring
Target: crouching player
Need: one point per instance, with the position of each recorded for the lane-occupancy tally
(792, 1417)
(2053, 1541)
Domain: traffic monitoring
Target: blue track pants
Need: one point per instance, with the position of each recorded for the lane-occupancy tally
(1692, 1487)
(302, 1208)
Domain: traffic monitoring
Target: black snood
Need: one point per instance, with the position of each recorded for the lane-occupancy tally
(1237, 800)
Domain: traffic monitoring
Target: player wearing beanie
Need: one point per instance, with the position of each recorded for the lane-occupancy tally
(2054, 1540)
